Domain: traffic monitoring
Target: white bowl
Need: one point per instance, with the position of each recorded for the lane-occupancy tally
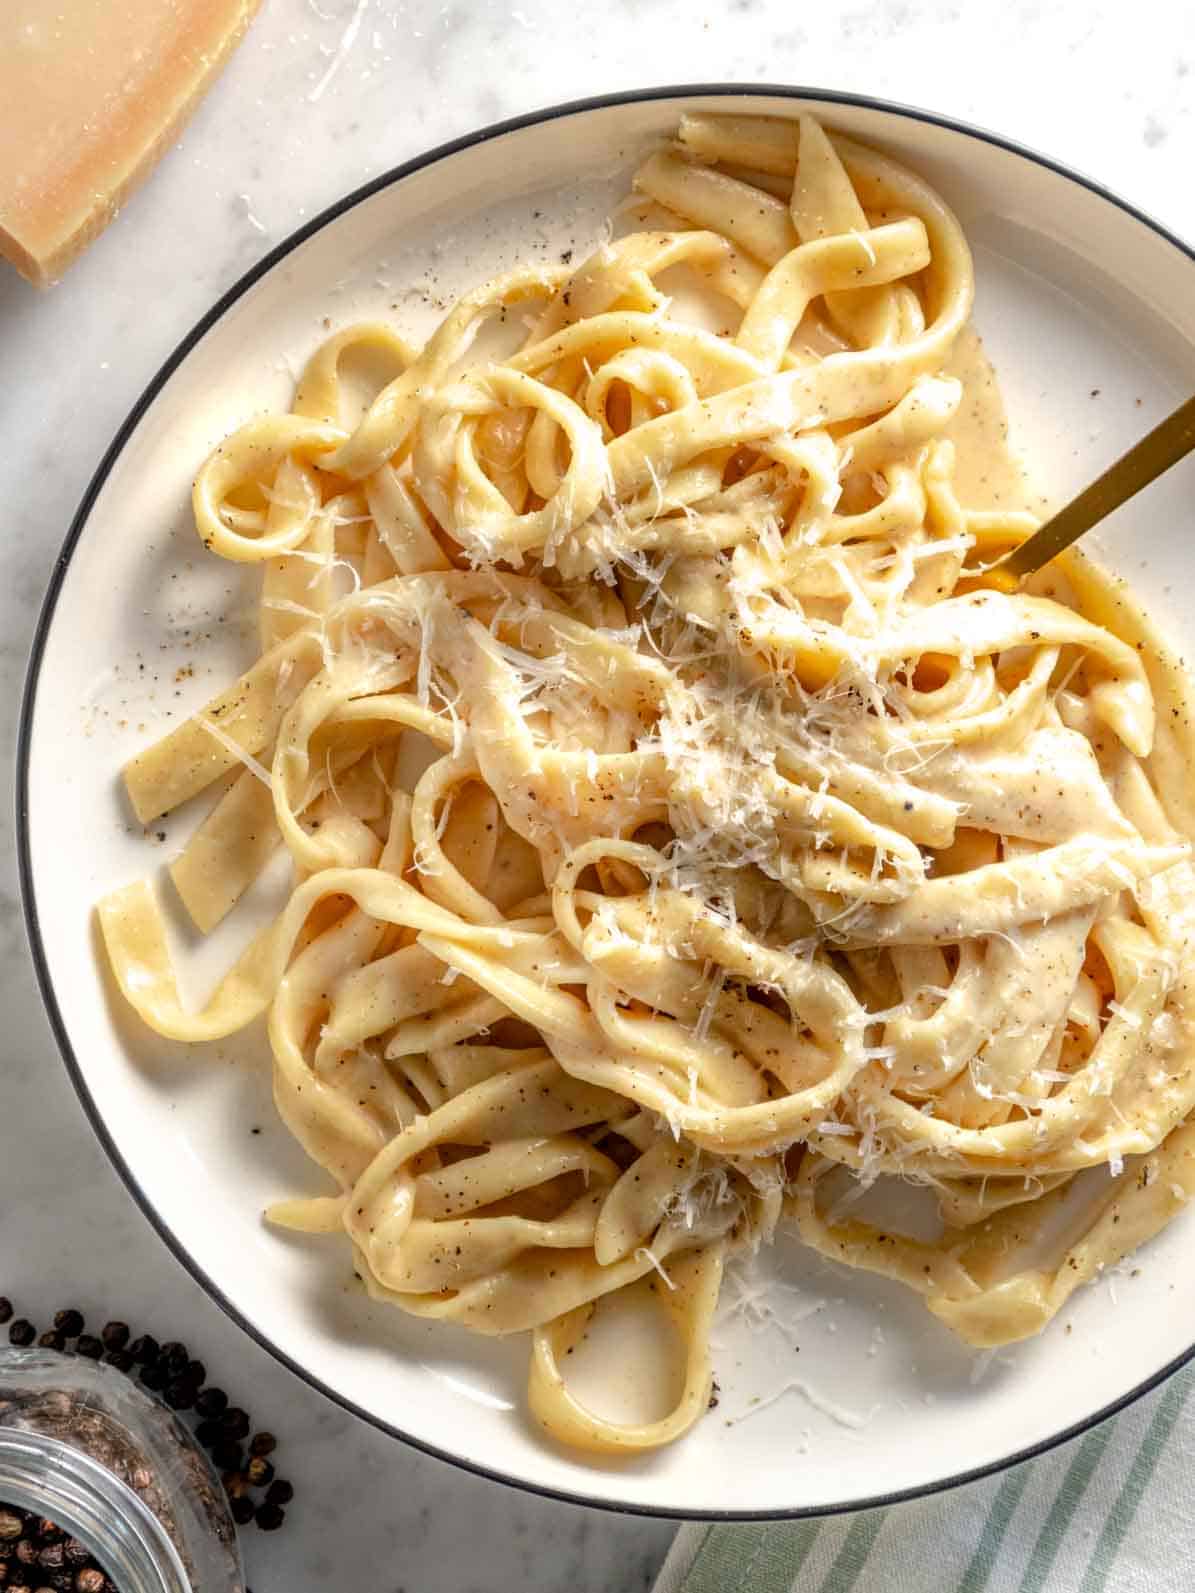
(1088, 310)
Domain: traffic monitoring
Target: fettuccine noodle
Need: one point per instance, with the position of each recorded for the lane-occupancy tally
(681, 829)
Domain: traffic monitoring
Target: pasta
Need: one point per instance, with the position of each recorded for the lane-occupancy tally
(686, 837)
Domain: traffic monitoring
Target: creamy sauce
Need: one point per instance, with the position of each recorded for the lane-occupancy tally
(987, 474)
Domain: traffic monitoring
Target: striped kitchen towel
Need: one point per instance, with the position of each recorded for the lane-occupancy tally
(1113, 1510)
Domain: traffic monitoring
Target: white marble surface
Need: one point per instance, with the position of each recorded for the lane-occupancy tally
(322, 95)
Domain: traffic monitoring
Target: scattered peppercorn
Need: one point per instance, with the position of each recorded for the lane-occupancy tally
(226, 1456)
(144, 1349)
(212, 1402)
(153, 1377)
(242, 1511)
(235, 1422)
(174, 1358)
(179, 1395)
(166, 1369)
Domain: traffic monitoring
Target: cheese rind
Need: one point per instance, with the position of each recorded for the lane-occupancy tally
(91, 93)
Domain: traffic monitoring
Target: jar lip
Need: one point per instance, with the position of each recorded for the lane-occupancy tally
(43, 1473)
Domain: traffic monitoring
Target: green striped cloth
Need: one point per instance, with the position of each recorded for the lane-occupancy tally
(1111, 1510)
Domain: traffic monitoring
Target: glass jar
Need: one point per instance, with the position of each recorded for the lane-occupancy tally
(85, 1447)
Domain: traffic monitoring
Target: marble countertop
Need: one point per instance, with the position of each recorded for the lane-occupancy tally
(322, 95)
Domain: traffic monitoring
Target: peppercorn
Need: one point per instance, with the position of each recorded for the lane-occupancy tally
(209, 1433)
(179, 1395)
(280, 1492)
(226, 1456)
(242, 1510)
(195, 1373)
(263, 1444)
(144, 1349)
(235, 1422)
(75, 1553)
(270, 1517)
(69, 1322)
(153, 1376)
(211, 1402)
(5, 1310)
(115, 1335)
(174, 1358)
(51, 1558)
(26, 1551)
(236, 1484)
(10, 1526)
(91, 1581)
(121, 1360)
(51, 1340)
(259, 1471)
(22, 1333)
(88, 1345)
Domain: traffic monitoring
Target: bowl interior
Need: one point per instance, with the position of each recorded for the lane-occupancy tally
(835, 1387)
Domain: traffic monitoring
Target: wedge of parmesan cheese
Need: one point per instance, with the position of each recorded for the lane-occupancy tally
(91, 93)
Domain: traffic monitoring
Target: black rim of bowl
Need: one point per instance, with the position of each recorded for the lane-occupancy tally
(388, 179)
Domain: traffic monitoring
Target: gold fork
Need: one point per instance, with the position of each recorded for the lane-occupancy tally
(1164, 446)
